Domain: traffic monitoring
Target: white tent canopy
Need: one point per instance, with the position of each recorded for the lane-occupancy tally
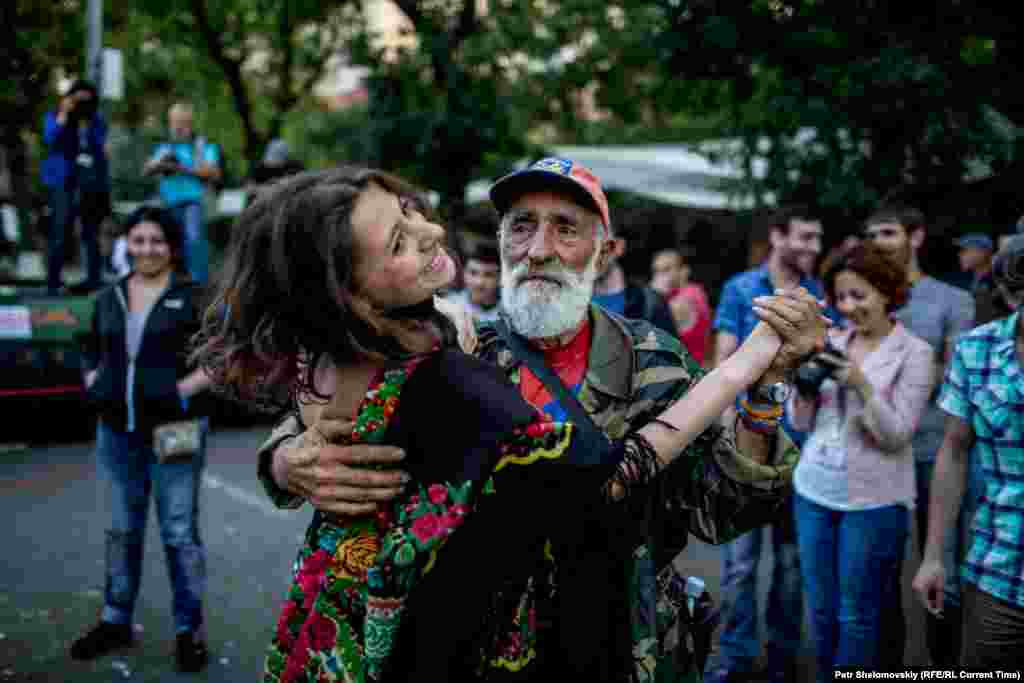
(670, 173)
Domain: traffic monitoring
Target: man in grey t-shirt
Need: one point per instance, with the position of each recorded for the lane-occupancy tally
(938, 313)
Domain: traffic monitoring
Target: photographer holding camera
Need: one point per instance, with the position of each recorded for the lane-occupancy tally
(188, 164)
(77, 176)
(861, 399)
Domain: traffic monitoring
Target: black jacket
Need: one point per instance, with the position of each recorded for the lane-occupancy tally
(643, 303)
(161, 359)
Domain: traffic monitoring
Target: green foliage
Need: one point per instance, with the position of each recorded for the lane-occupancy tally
(902, 101)
(245, 64)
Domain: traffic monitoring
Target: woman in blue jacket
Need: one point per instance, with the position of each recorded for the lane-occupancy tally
(137, 375)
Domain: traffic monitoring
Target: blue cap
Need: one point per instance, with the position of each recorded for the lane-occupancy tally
(977, 240)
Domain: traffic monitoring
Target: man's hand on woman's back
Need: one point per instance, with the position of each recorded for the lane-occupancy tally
(338, 479)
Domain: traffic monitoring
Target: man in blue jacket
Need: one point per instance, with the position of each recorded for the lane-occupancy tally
(77, 175)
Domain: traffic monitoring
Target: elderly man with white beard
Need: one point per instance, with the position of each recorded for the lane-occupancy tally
(554, 239)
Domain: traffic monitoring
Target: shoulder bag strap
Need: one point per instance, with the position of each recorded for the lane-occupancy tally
(594, 441)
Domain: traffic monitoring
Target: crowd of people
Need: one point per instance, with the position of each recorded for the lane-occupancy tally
(841, 404)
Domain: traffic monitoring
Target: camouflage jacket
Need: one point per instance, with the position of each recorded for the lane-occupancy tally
(634, 372)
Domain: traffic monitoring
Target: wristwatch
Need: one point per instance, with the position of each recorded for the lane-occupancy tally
(776, 392)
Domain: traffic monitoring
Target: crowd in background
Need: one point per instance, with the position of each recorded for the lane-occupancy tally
(909, 422)
(872, 423)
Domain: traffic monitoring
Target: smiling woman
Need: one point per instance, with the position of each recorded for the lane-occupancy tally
(855, 480)
(138, 379)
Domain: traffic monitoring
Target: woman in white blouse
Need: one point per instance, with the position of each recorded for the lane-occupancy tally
(855, 481)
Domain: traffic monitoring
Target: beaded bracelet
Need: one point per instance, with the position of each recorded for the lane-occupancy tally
(758, 426)
(772, 411)
(760, 419)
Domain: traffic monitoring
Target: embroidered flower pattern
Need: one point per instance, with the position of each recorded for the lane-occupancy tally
(346, 599)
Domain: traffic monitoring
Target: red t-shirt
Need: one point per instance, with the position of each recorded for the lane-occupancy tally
(569, 363)
(696, 338)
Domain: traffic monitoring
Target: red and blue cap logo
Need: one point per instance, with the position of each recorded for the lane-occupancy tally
(554, 174)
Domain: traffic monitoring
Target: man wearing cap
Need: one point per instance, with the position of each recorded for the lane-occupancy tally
(983, 445)
(554, 239)
(976, 253)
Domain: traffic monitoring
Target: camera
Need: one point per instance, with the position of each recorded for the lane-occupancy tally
(169, 160)
(83, 109)
(810, 376)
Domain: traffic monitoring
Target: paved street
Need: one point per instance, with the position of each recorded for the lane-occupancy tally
(51, 579)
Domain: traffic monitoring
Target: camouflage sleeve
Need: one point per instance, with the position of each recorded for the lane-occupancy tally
(718, 491)
(729, 494)
(288, 428)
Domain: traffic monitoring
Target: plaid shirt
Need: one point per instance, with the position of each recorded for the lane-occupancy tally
(985, 387)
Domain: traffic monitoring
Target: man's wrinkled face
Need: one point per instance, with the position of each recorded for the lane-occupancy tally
(800, 246)
(482, 279)
(551, 252)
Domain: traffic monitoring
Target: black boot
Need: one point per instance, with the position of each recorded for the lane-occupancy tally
(191, 654)
(103, 639)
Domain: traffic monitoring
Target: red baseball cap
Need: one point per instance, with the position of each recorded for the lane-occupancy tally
(554, 174)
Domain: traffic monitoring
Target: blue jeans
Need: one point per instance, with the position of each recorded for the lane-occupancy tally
(739, 644)
(848, 560)
(127, 461)
(65, 206)
(197, 247)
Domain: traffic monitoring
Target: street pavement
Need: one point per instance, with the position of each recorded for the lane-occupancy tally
(51, 578)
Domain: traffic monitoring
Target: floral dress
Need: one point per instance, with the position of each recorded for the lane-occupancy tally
(352, 577)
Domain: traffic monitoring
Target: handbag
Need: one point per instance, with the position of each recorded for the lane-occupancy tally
(177, 440)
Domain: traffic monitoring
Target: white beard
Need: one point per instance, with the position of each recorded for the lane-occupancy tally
(541, 310)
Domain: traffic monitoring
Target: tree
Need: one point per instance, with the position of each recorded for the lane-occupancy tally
(266, 54)
(450, 107)
(44, 37)
(849, 104)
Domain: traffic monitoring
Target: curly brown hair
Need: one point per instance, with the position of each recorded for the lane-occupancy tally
(874, 265)
(280, 306)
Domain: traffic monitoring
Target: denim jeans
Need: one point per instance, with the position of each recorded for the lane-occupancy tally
(197, 247)
(65, 207)
(128, 463)
(847, 560)
(739, 644)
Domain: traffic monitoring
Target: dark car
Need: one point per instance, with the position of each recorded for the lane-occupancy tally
(41, 389)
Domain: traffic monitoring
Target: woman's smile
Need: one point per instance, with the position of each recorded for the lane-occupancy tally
(435, 263)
